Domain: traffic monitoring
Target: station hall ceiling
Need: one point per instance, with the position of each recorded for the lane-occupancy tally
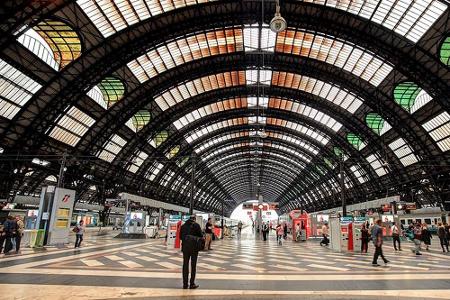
(132, 94)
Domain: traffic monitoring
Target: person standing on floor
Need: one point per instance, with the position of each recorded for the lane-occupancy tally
(417, 233)
(442, 237)
(285, 231)
(2, 237)
(377, 237)
(364, 239)
(265, 229)
(396, 236)
(79, 231)
(280, 232)
(325, 240)
(426, 237)
(10, 227)
(20, 227)
(191, 236)
(208, 234)
(239, 227)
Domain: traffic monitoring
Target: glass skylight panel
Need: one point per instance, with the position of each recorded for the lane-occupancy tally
(16, 89)
(292, 151)
(111, 16)
(40, 162)
(2, 150)
(233, 103)
(376, 164)
(257, 101)
(198, 86)
(319, 88)
(404, 152)
(72, 126)
(411, 19)
(439, 129)
(155, 169)
(257, 120)
(183, 50)
(359, 173)
(320, 137)
(214, 141)
(261, 76)
(112, 148)
(306, 111)
(345, 55)
(36, 44)
(216, 126)
(140, 157)
(299, 142)
(167, 177)
(96, 95)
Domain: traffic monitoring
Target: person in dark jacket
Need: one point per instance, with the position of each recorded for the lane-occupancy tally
(10, 228)
(285, 231)
(364, 239)
(190, 235)
(442, 237)
(426, 236)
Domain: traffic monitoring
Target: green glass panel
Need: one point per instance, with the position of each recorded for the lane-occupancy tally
(173, 152)
(319, 170)
(112, 90)
(445, 51)
(181, 162)
(338, 151)
(406, 93)
(355, 140)
(160, 138)
(140, 119)
(328, 163)
(375, 122)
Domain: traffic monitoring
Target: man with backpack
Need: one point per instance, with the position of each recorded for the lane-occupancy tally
(191, 238)
(10, 229)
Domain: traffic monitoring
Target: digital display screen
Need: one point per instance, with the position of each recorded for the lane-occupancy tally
(135, 216)
(32, 213)
(387, 218)
(322, 218)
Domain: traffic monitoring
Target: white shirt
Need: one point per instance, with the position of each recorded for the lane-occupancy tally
(395, 229)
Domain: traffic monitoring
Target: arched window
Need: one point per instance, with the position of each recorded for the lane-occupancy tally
(444, 51)
(410, 96)
(377, 123)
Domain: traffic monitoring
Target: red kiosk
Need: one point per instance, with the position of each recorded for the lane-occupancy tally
(300, 220)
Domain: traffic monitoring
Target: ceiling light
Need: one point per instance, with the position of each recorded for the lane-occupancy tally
(278, 23)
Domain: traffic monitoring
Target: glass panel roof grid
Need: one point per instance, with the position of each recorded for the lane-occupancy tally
(294, 140)
(223, 149)
(166, 178)
(173, 152)
(31, 40)
(216, 140)
(345, 55)
(319, 88)
(159, 138)
(410, 96)
(356, 141)
(96, 95)
(411, 19)
(306, 111)
(359, 173)
(258, 76)
(291, 151)
(72, 126)
(183, 50)
(155, 169)
(377, 123)
(198, 86)
(257, 101)
(111, 16)
(404, 152)
(140, 157)
(254, 39)
(439, 129)
(111, 148)
(213, 127)
(376, 164)
(62, 39)
(257, 120)
(233, 103)
(112, 89)
(309, 131)
(16, 90)
(444, 51)
(140, 119)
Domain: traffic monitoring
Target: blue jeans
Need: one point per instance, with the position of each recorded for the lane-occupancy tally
(78, 240)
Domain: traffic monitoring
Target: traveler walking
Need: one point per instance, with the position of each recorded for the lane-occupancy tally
(426, 237)
(396, 236)
(325, 240)
(377, 237)
(265, 230)
(208, 234)
(239, 227)
(191, 237)
(10, 228)
(20, 227)
(442, 237)
(285, 231)
(280, 231)
(79, 231)
(2, 237)
(417, 238)
(364, 239)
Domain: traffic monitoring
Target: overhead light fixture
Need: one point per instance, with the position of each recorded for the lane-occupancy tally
(278, 23)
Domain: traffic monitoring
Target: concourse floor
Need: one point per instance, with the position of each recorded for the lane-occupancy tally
(106, 268)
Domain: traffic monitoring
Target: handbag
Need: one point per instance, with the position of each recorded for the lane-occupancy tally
(76, 229)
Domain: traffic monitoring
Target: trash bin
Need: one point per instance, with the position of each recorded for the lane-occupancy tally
(37, 238)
